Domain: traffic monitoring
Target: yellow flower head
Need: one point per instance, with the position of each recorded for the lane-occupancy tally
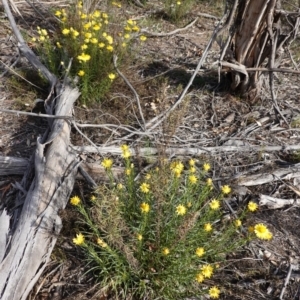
(58, 13)
(166, 251)
(145, 187)
(199, 278)
(181, 210)
(84, 47)
(206, 167)
(209, 182)
(75, 33)
(104, 15)
(252, 206)
(214, 204)
(110, 48)
(119, 186)
(214, 292)
(225, 189)
(96, 14)
(143, 38)
(93, 198)
(126, 154)
(65, 31)
(94, 41)
(208, 227)
(44, 32)
(101, 243)
(193, 179)
(58, 45)
(200, 251)
(124, 147)
(177, 167)
(111, 76)
(42, 38)
(135, 28)
(262, 232)
(130, 22)
(128, 172)
(238, 223)
(96, 27)
(109, 39)
(178, 3)
(192, 170)
(207, 271)
(81, 73)
(126, 36)
(101, 45)
(107, 163)
(79, 239)
(139, 237)
(84, 57)
(145, 207)
(75, 200)
(88, 35)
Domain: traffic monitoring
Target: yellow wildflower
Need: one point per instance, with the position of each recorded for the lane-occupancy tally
(148, 176)
(79, 239)
(200, 251)
(199, 278)
(193, 179)
(145, 207)
(252, 206)
(127, 172)
(143, 38)
(214, 292)
(86, 41)
(75, 33)
(33, 39)
(135, 28)
(93, 198)
(178, 3)
(207, 227)
(44, 32)
(75, 200)
(58, 13)
(214, 204)
(101, 243)
(206, 167)
(145, 188)
(42, 38)
(96, 27)
(238, 223)
(87, 25)
(126, 36)
(81, 73)
(84, 57)
(58, 45)
(104, 15)
(262, 232)
(207, 271)
(124, 147)
(226, 189)
(130, 22)
(94, 41)
(101, 45)
(84, 47)
(88, 35)
(112, 76)
(109, 39)
(192, 162)
(166, 251)
(126, 154)
(139, 237)
(119, 186)
(181, 210)
(209, 181)
(110, 48)
(65, 31)
(96, 14)
(107, 163)
(83, 16)
(192, 170)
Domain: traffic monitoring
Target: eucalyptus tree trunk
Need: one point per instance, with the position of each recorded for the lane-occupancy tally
(254, 37)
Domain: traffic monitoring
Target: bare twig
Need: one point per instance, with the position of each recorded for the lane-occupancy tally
(115, 58)
(158, 34)
(286, 282)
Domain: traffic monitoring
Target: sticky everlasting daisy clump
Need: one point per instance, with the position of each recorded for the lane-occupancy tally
(88, 38)
(162, 226)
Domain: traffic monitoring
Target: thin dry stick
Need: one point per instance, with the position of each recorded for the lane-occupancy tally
(286, 282)
(158, 34)
(115, 58)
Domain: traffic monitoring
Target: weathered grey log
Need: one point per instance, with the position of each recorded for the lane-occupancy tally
(12, 165)
(34, 223)
(30, 246)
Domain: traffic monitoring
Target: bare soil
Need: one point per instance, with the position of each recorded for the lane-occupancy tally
(210, 117)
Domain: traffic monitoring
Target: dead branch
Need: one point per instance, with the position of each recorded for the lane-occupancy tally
(275, 203)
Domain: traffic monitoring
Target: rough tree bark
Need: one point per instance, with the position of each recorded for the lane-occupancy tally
(255, 35)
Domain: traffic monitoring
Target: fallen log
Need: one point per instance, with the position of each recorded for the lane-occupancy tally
(29, 231)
